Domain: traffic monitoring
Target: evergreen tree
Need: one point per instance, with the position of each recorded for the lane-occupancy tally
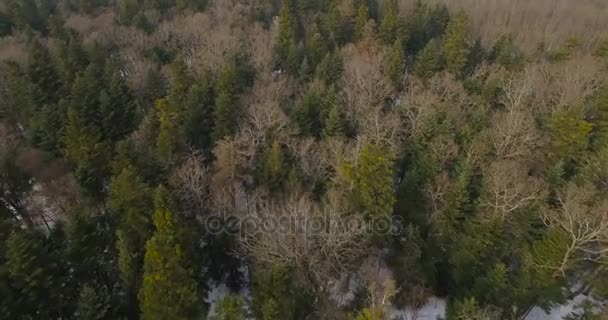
(169, 289)
(43, 75)
(391, 28)
(569, 135)
(25, 14)
(274, 167)
(93, 304)
(117, 109)
(600, 123)
(230, 308)
(29, 267)
(274, 295)
(286, 34)
(198, 118)
(152, 89)
(127, 9)
(168, 142)
(130, 202)
(227, 106)
(428, 62)
(307, 115)
(315, 46)
(330, 69)
(455, 47)
(294, 58)
(333, 122)
(373, 181)
(361, 21)
(395, 63)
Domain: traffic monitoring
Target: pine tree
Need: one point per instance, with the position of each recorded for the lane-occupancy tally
(294, 58)
(168, 142)
(227, 106)
(330, 69)
(230, 308)
(274, 295)
(180, 83)
(315, 46)
(169, 289)
(198, 116)
(127, 9)
(467, 309)
(93, 303)
(305, 71)
(286, 34)
(395, 63)
(361, 21)
(569, 135)
(373, 181)
(307, 115)
(601, 118)
(333, 122)
(428, 62)
(152, 89)
(370, 314)
(274, 167)
(117, 111)
(43, 75)
(29, 267)
(455, 47)
(130, 202)
(391, 28)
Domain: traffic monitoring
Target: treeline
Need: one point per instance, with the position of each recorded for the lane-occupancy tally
(491, 161)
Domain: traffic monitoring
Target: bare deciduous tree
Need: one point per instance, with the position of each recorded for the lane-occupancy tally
(321, 241)
(585, 222)
(191, 183)
(508, 187)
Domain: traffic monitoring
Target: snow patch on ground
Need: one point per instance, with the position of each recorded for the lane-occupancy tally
(434, 309)
(559, 312)
(219, 290)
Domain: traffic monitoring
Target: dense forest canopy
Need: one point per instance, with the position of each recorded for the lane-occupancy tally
(316, 159)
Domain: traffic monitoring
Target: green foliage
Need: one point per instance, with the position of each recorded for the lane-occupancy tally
(286, 34)
(333, 123)
(424, 24)
(370, 314)
(169, 123)
(373, 181)
(131, 203)
(565, 52)
(569, 135)
(30, 270)
(391, 27)
(307, 114)
(117, 107)
(330, 68)
(198, 118)
(468, 309)
(455, 48)
(395, 63)
(274, 295)
(93, 304)
(361, 21)
(26, 14)
(506, 54)
(227, 105)
(169, 289)
(275, 168)
(428, 61)
(600, 119)
(230, 308)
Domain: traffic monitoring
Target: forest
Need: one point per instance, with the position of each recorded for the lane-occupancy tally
(303, 159)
